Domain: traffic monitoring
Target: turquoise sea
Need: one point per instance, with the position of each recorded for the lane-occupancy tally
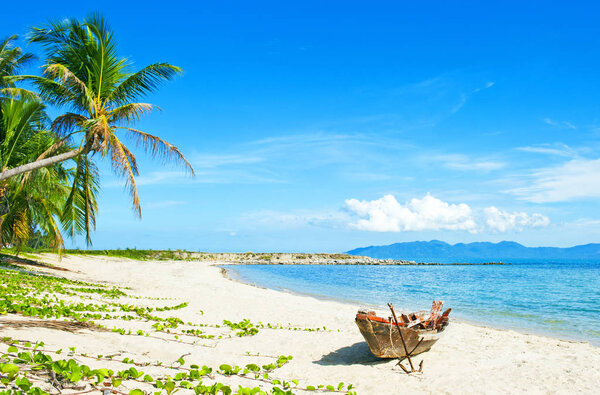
(560, 299)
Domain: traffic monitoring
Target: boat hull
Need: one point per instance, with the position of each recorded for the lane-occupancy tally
(384, 340)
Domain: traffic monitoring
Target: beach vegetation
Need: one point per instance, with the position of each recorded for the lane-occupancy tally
(244, 327)
(77, 304)
(130, 253)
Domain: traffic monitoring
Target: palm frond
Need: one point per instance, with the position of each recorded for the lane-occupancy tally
(51, 34)
(50, 226)
(158, 147)
(18, 117)
(131, 112)
(67, 123)
(68, 79)
(54, 92)
(79, 212)
(106, 67)
(143, 82)
(125, 165)
(7, 42)
(20, 226)
(12, 58)
(19, 93)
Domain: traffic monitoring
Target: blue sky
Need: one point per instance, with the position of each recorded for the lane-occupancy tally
(325, 126)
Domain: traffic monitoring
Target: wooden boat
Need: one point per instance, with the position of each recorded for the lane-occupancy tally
(420, 331)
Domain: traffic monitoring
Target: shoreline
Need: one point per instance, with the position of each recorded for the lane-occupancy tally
(227, 274)
(334, 353)
(392, 263)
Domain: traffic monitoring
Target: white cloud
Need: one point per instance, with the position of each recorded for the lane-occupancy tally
(202, 176)
(503, 221)
(489, 84)
(563, 124)
(465, 163)
(295, 219)
(388, 215)
(429, 213)
(461, 102)
(546, 149)
(577, 178)
(162, 204)
(213, 161)
(157, 177)
(464, 97)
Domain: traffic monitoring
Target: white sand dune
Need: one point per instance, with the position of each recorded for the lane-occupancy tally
(467, 358)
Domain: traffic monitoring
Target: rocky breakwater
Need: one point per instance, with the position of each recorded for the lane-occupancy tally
(252, 258)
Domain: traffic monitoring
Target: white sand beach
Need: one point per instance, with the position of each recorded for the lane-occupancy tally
(467, 358)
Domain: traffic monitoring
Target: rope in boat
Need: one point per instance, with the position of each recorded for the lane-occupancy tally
(391, 341)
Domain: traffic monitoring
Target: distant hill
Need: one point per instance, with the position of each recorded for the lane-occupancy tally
(439, 251)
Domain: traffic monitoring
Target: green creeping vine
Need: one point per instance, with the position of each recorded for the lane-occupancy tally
(44, 297)
(16, 365)
(246, 328)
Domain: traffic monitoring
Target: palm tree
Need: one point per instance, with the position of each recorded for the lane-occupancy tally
(32, 202)
(84, 73)
(12, 59)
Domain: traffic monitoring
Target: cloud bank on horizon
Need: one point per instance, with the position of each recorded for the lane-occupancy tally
(429, 213)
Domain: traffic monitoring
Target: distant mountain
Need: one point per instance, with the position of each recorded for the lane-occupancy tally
(439, 251)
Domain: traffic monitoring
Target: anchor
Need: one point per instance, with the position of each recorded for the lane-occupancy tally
(406, 352)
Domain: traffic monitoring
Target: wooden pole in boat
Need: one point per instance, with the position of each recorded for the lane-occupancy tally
(412, 368)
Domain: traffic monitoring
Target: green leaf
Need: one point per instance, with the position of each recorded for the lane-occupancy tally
(169, 386)
(9, 369)
(23, 383)
(76, 374)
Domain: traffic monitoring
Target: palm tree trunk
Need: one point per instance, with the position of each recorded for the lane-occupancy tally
(39, 164)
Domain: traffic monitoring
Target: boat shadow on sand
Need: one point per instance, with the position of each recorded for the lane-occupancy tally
(356, 354)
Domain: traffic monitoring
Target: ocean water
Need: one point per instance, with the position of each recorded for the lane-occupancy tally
(559, 299)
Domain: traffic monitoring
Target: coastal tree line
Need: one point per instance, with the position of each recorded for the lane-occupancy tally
(49, 179)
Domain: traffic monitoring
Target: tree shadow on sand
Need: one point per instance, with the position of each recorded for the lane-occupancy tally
(356, 354)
